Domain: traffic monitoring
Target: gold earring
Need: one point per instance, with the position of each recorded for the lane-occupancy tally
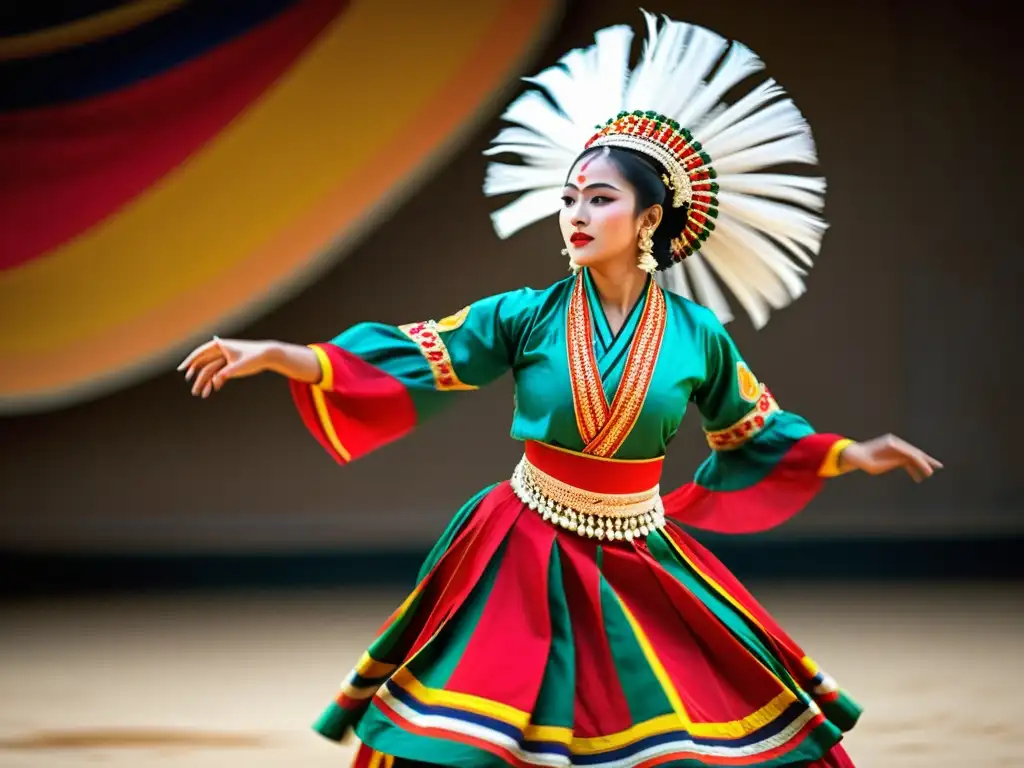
(573, 266)
(647, 262)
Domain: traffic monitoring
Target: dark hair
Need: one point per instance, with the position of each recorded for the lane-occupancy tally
(644, 174)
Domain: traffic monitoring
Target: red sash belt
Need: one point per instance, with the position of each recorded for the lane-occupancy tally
(594, 474)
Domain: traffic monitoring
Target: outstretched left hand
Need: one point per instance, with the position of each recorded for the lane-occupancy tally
(886, 453)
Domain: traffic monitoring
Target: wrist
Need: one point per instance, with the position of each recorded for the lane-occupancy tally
(837, 460)
(305, 364)
(845, 456)
(271, 356)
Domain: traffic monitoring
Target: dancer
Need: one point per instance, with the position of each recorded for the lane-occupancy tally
(565, 617)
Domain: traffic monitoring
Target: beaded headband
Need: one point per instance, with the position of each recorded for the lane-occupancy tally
(690, 175)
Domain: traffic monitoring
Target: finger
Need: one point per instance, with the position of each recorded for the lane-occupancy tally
(207, 390)
(914, 471)
(221, 378)
(227, 372)
(195, 353)
(923, 467)
(207, 357)
(206, 374)
(911, 450)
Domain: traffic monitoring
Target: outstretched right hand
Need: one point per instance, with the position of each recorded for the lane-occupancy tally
(218, 360)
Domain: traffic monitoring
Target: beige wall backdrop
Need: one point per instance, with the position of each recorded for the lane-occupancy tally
(909, 324)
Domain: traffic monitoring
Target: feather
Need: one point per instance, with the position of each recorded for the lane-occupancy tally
(792, 149)
(807, 229)
(705, 289)
(674, 279)
(678, 57)
(586, 86)
(805, 191)
(525, 210)
(756, 99)
(535, 155)
(739, 62)
(768, 265)
(518, 135)
(777, 253)
(648, 75)
(776, 121)
(794, 249)
(721, 260)
(502, 179)
(534, 110)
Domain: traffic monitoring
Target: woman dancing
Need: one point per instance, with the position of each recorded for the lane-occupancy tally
(565, 617)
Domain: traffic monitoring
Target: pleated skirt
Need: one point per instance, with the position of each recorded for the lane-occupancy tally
(528, 645)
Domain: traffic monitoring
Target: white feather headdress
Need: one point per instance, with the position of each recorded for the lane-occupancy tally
(749, 228)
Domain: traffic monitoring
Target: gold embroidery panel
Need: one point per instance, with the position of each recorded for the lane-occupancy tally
(753, 422)
(587, 392)
(636, 380)
(435, 352)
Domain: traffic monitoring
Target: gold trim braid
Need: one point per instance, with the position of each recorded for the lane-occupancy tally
(636, 377)
(603, 427)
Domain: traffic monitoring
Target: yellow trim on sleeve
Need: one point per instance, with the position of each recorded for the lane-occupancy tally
(326, 369)
(325, 422)
(326, 384)
(830, 466)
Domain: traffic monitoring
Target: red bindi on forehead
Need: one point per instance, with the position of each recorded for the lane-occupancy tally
(581, 178)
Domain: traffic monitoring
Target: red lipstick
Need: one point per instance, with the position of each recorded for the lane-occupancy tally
(579, 238)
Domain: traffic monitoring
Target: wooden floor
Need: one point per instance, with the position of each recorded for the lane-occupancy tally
(235, 680)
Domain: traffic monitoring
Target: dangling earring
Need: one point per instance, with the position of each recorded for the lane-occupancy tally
(647, 262)
(573, 266)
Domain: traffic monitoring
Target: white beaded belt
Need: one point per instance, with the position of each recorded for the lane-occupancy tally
(612, 516)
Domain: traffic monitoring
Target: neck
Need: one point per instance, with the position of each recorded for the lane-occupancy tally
(618, 285)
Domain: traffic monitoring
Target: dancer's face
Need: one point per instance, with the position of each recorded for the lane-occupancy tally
(599, 218)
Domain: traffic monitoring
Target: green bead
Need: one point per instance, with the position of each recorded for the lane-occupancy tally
(713, 213)
(704, 156)
(714, 189)
(710, 225)
(697, 245)
(622, 114)
(697, 147)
